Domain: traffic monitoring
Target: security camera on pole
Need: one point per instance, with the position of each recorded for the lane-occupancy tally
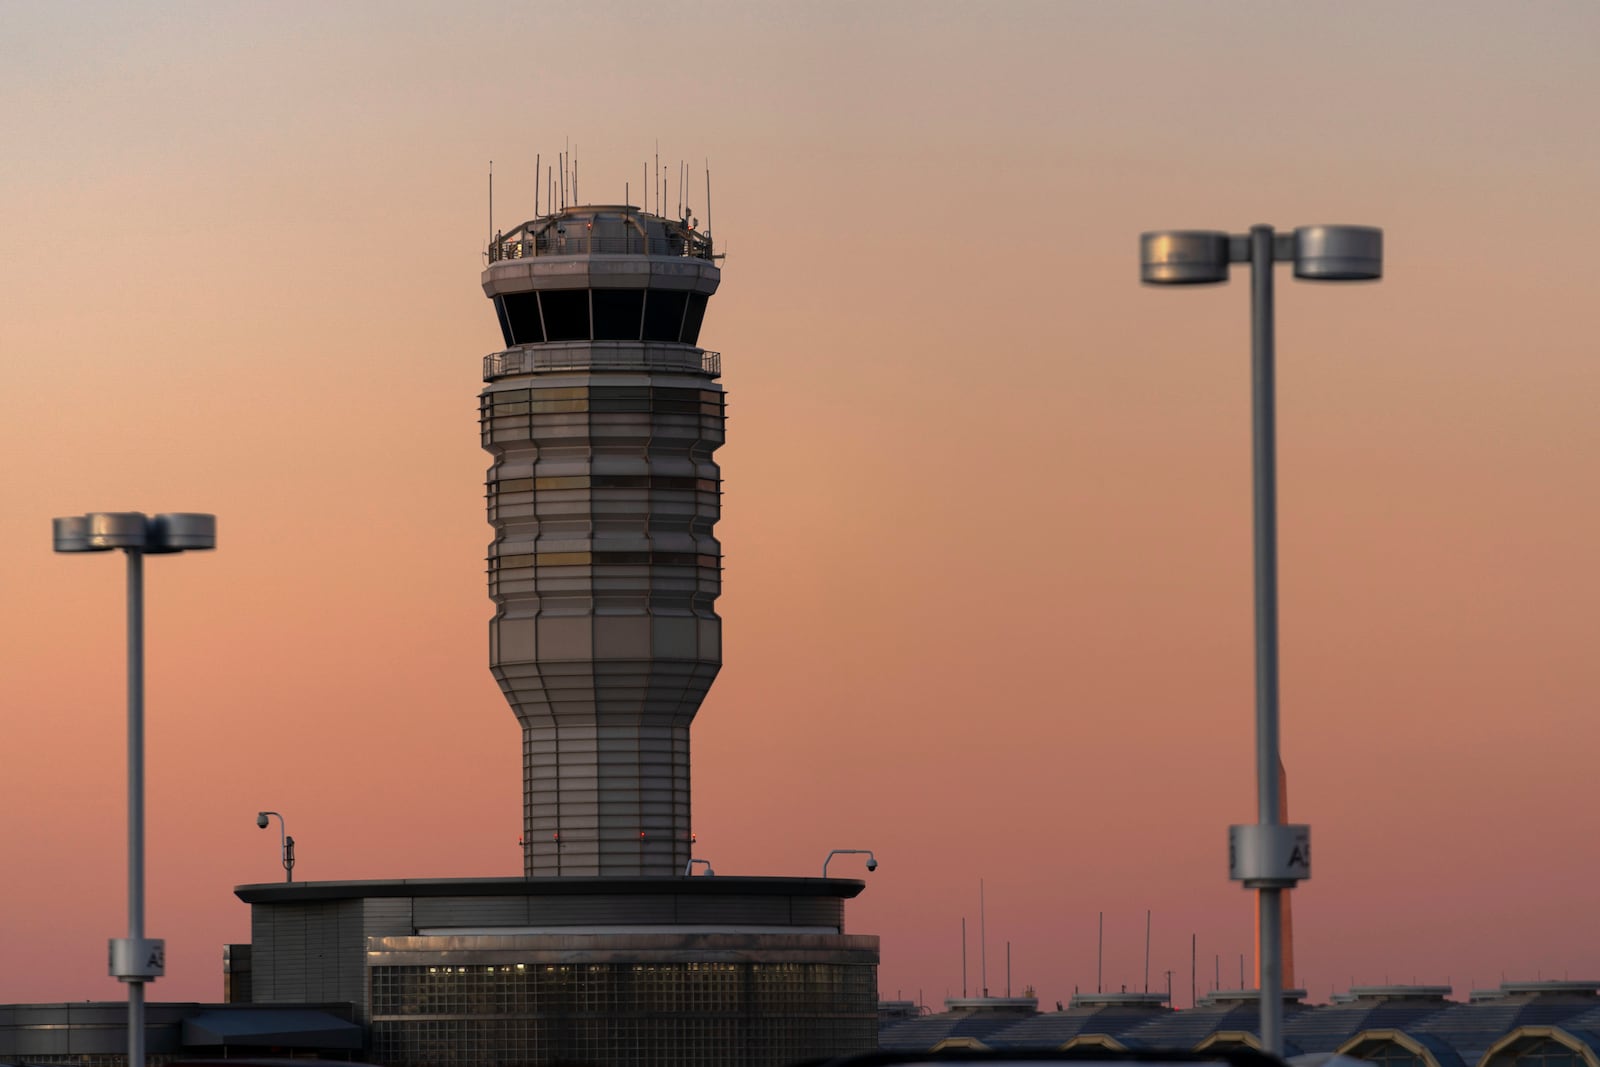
(285, 842)
(1267, 855)
(872, 861)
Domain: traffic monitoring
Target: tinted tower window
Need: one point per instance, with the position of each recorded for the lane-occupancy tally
(663, 315)
(521, 318)
(616, 314)
(566, 314)
(692, 320)
(505, 323)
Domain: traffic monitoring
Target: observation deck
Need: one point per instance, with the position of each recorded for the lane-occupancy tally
(603, 230)
(645, 358)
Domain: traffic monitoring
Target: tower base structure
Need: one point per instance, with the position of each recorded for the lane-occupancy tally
(622, 971)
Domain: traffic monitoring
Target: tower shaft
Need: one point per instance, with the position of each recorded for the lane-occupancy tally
(602, 417)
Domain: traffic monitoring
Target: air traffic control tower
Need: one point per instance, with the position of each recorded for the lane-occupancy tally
(603, 417)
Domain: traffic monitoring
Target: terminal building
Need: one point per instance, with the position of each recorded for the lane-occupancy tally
(1520, 1024)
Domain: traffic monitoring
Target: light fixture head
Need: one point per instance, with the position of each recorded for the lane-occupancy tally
(261, 819)
(116, 529)
(179, 531)
(1183, 257)
(101, 531)
(71, 534)
(1338, 253)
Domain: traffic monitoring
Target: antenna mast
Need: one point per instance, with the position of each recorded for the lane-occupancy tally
(983, 944)
(536, 169)
(963, 957)
(1100, 956)
(491, 201)
(1147, 950)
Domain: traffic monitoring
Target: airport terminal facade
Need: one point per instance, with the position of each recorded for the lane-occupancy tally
(1519, 1024)
(667, 971)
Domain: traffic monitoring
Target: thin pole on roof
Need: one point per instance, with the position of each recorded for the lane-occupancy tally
(1147, 950)
(963, 957)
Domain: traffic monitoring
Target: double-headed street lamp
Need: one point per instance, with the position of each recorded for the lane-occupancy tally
(1267, 856)
(136, 959)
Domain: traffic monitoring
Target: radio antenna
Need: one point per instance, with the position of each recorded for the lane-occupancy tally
(575, 199)
(536, 169)
(708, 196)
(658, 175)
(1147, 951)
(491, 201)
(963, 957)
(983, 944)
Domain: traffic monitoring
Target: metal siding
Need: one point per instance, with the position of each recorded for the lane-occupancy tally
(289, 934)
(608, 908)
(351, 959)
(817, 911)
(748, 911)
(321, 933)
(471, 911)
(264, 954)
(387, 916)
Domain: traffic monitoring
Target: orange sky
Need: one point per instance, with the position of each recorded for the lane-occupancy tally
(986, 528)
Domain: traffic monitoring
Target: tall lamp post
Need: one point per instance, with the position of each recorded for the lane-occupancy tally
(285, 842)
(135, 959)
(1267, 856)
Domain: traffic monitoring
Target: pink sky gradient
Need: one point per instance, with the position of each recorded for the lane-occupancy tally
(987, 589)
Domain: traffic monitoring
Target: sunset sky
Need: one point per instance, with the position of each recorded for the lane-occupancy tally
(986, 528)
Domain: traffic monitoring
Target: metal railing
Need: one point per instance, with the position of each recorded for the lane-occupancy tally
(521, 246)
(532, 359)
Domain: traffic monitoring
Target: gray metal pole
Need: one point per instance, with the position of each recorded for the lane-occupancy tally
(983, 944)
(1263, 388)
(135, 794)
